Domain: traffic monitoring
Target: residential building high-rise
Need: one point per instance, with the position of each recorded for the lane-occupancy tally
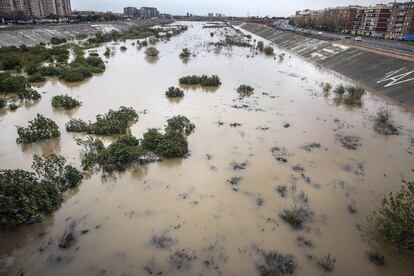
(36, 8)
(372, 21)
(401, 21)
(131, 11)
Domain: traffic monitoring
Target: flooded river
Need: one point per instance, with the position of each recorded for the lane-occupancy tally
(215, 211)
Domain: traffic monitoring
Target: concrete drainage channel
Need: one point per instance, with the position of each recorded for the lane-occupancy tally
(390, 76)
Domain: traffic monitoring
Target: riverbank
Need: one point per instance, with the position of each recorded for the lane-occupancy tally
(32, 35)
(391, 76)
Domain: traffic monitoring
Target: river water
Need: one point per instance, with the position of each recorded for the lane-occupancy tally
(183, 217)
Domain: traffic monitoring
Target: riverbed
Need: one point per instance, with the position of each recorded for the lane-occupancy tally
(284, 145)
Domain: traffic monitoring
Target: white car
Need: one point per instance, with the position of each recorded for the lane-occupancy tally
(358, 38)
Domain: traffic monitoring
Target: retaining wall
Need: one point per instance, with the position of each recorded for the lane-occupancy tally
(387, 75)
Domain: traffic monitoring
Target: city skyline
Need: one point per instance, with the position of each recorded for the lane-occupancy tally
(229, 7)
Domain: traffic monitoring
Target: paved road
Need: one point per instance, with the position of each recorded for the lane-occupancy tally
(403, 47)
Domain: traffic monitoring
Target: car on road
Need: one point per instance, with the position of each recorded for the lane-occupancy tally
(347, 37)
(358, 38)
(319, 33)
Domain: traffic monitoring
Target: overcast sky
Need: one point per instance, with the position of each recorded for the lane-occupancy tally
(228, 7)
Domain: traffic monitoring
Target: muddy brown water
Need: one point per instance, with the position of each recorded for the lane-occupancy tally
(189, 201)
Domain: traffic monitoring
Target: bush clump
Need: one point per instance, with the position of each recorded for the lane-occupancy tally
(3, 103)
(111, 123)
(107, 52)
(296, 217)
(10, 83)
(350, 95)
(10, 62)
(268, 50)
(245, 90)
(76, 125)
(383, 123)
(174, 92)
(185, 53)
(275, 263)
(260, 46)
(39, 128)
(354, 95)
(340, 90)
(64, 102)
(202, 80)
(395, 217)
(151, 52)
(36, 78)
(57, 40)
(128, 150)
(25, 197)
(29, 94)
(173, 143)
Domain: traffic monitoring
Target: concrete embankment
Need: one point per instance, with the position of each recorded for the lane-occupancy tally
(32, 35)
(388, 75)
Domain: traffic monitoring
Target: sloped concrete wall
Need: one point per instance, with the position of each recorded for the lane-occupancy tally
(32, 35)
(390, 76)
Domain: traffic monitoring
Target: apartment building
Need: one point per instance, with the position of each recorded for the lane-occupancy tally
(36, 8)
(401, 22)
(372, 21)
(131, 12)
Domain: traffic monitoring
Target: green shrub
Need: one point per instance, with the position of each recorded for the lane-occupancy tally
(185, 53)
(245, 90)
(24, 198)
(52, 168)
(296, 217)
(56, 40)
(77, 125)
(48, 71)
(203, 80)
(327, 87)
(260, 46)
(107, 52)
(354, 95)
(383, 124)
(10, 84)
(180, 124)
(125, 151)
(65, 102)
(151, 140)
(10, 62)
(340, 90)
(174, 92)
(3, 103)
(395, 217)
(128, 150)
(172, 145)
(39, 128)
(13, 107)
(268, 50)
(276, 264)
(111, 123)
(36, 78)
(29, 94)
(151, 52)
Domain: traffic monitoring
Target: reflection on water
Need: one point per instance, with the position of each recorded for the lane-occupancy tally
(213, 212)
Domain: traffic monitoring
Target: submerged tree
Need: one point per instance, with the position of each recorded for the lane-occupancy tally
(25, 197)
(65, 102)
(151, 52)
(39, 128)
(395, 217)
(174, 92)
